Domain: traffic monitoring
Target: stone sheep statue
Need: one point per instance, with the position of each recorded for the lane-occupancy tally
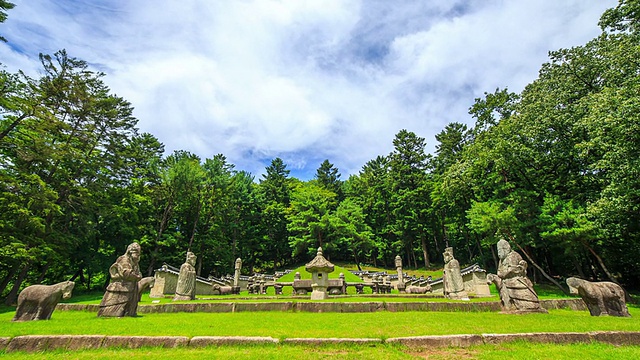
(602, 298)
(37, 302)
(144, 284)
(418, 289)
(222, 290)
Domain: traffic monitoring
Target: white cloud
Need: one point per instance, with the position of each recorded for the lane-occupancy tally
(303, 80)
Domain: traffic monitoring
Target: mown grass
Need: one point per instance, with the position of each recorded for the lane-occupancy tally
(335, 274)
(380, 325)
(514, 350)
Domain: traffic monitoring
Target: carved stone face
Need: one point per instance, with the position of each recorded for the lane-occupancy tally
(191, 258)
(134, 252)
(503, 249)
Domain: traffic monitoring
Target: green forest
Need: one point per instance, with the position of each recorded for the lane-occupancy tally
(554, 169)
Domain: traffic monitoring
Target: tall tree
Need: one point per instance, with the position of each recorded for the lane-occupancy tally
(328, 177)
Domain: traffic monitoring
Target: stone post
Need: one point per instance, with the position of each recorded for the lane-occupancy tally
(236, 277)
(401, 286)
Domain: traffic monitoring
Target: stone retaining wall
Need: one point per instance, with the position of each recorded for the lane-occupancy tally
(38, 343)
(327, 306)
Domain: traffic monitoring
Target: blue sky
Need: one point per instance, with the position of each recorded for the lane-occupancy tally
(303, 80)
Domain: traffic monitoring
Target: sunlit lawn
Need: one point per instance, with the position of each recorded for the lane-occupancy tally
(382, 324)
(515, 350)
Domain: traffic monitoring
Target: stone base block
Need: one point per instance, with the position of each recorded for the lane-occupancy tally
(439, 340)
(202, 341)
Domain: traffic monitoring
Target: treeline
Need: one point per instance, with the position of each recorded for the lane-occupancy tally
(554, 169)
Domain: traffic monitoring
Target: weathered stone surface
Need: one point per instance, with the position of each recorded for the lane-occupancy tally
(78, 307)
(202, 341)
(322, 341)
(221, 290)
(553, 338)
(438, 340)
(442, 306)
(617, 337)
(28, 343)
(319, 268)
(573, 304)
(283, 306)
(602, 298)
(4, 341)
(339, 307)
(37, 302)
(121, 297)
(144, 284)
(517, 294)
(453, 285)
(186, 287)
(82, 342)
(134, 342)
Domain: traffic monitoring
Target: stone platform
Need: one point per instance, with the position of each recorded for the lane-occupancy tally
(328, 306)
(40, 343)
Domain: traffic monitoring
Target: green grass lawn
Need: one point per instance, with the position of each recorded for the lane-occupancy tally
(516, 350)
(280, 325)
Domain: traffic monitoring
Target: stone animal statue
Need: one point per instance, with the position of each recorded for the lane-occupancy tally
(602, 298)
(144, 284)
(222, 290)
(418, 289)
(37, 302)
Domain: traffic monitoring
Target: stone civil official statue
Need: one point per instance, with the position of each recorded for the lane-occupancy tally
(121, 296)
(186, 288)
(452, 278)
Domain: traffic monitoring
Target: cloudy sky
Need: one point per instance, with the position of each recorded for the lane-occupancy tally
(303, 80)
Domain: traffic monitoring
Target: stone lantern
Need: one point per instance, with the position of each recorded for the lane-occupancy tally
(319, 268)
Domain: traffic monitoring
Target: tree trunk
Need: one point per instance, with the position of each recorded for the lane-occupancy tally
(578, 267)
(13, 294)
(539, 268)
(12, 272)
(43, 273)
(600, 262)
(425, 253)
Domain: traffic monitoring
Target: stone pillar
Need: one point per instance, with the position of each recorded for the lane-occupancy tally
(236, 277)
(401, 286)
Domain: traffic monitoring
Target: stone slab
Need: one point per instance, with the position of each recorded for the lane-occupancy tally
(28, 343)
(84, 342)
(135, 342)
(321, 307)
(438, 340)
(320, 341)
(4, 341)
(274, 306)
(550, 338)
(188, 307)
(202, 341)
(617, 337)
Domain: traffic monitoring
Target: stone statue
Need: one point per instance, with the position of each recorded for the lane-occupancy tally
(602, 298)
(515, 288)
(144, 284)
(37, 302)
(452, 278)
(186, 288)
(221, 289)
(121, 297)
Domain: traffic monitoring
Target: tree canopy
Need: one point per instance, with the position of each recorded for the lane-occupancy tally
(554, 169)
